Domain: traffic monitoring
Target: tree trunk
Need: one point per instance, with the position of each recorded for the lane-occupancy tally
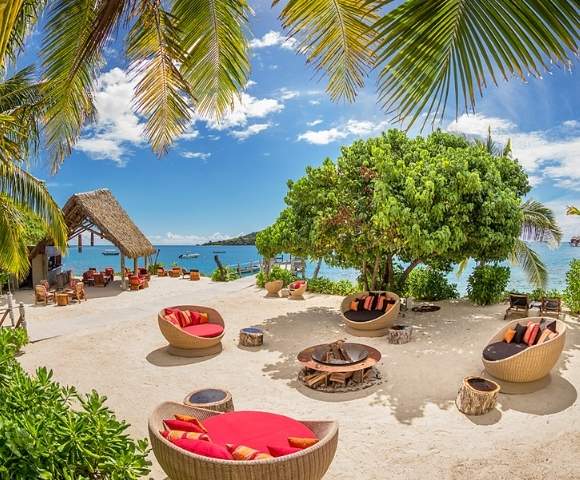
(408, 271)
(219, 265)
(375, 272)
(390, 275)
(317, 268)
(364, 275)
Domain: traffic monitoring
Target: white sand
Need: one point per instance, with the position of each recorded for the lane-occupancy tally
(405, 428)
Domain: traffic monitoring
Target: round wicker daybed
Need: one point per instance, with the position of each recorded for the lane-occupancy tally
(370, 323)
(274, 288)
(184, 344)
(532, 363)
(309, 464)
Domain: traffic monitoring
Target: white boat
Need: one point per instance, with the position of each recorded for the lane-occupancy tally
(189, 255)
(110, 252)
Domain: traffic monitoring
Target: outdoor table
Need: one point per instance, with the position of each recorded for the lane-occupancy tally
(211, 398)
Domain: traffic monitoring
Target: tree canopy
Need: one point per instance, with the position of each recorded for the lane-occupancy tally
(431, 200)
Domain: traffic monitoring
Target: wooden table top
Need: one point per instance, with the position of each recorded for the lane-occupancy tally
(305, 358)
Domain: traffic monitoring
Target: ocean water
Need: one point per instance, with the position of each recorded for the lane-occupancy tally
(557, 261)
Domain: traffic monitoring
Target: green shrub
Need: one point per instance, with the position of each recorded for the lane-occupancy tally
(487, 284)
(226, 275)
(330, 287)
(572, 292)
(276, 273)
(430, 284)
(152, 268)
(539, 293)
(48, 431)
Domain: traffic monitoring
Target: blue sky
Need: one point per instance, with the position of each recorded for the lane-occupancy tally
(223, 180)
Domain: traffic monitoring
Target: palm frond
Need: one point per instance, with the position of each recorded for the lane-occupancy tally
(216, 64)
(432, 52)
(539, 223)
(335, 36)
(531, 263)
(68, 86)
(13, 251)
(572, 210)
(161, 94)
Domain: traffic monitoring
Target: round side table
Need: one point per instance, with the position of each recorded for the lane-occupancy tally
(62, 299)
(251, 337)
(211, 398)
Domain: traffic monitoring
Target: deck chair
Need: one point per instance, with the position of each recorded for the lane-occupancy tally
(551, 306)
(519, 304)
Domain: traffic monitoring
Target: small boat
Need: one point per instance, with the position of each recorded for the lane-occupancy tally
(219, 251)
(110, 252)
(189, 255)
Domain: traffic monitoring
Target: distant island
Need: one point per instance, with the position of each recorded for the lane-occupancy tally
(249, 239)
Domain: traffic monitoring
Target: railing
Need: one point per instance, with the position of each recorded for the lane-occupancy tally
(248, 267)
(8, 312)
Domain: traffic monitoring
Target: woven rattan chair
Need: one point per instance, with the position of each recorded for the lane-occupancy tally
(377, 327)
(42, 295)
(183, 344)
(274, 288)
(78, 292)
(298, 293)
(531, 364)
(309, 464)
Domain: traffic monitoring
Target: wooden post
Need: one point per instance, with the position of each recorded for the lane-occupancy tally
(476, 396)
(92, 239)
(22, 320)
(146, 261)
(135, 266)
(123, 283)
(80, 242)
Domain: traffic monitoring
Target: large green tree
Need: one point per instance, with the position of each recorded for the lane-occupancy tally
(432, 200)
(191, 57)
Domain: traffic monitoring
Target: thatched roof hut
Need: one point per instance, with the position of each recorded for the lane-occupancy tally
(100, 213)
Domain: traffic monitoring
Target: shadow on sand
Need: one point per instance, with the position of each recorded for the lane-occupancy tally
(161, 358)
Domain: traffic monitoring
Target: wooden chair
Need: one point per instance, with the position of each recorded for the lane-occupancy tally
(78, 293)
(551, 306)
(136, 282)
(161, 272)
(42, 295)
(518, 304)
(89, 277)
(144, 273)
(109, 272)
(100, 280)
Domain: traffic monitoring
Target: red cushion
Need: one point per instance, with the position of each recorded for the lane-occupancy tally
(172, 424)
(280, 451)
(205, 330)
(254, 429)
(195, 317)
(206, 449)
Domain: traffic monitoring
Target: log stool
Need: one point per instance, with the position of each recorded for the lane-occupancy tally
(477, 396)
(214, 399)
(62, 299)
(399, 334)
(251, 337)
(194, 275)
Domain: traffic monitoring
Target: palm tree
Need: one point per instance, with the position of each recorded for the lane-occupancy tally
(192, 55)
(22, 196)
(572, 210)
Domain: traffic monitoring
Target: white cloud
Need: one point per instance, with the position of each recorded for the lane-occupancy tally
(313, 123)
(355, 128)
(273, 39)
(314, 102)
(201, 155)
(553, 153)
(245, 108)
(116, 126)
(571, 124)
(190, 133)
(251, 83)
(251, 130)
(568, 223)
(286, 94)
(171, 238)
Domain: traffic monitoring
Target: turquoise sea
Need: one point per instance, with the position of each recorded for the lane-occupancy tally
(557, 260)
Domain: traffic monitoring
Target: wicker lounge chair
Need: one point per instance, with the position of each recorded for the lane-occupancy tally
(309, 464)
(519, 304)
(161, 272)
(274, 288)
(551, 306)
(298, 292)
(184, 344)
(42, 295)
(370, 323)
(532, 363)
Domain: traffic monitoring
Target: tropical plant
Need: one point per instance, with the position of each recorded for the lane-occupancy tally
(430, 284)
(192, 58)
(487, 283)
(225, 274)
(51, 431)
(572, 291)
(275, 273)
(331, 287)
(570, 210)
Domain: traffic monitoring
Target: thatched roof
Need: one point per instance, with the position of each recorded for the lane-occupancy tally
(99, 212)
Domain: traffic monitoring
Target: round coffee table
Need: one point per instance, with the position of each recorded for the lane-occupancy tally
(211, 398)
(61, 299)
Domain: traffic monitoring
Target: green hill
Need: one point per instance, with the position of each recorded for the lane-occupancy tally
(249, 239)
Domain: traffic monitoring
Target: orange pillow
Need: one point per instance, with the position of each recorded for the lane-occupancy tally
(368, 304)
(204, 317)
(198, 318)
(354, 305)
(299, 442)
(175, 434)
(380, 302)
(191, 419)
(241, 452)
(509, 335)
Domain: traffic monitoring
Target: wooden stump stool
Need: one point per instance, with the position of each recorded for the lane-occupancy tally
(62, 299)
(214, 399)
(399, 334)
(251, 337)
(194, 275)
(477, 396)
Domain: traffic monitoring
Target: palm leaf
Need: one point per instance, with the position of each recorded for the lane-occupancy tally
(431, 51)
(161, 94)
(572, 210)
(539, 223)
(335, 36)
(531, 263)
(13, 251)
(216, 64)
(68, 86)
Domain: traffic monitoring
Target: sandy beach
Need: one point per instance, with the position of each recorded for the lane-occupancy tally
(405, 428)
